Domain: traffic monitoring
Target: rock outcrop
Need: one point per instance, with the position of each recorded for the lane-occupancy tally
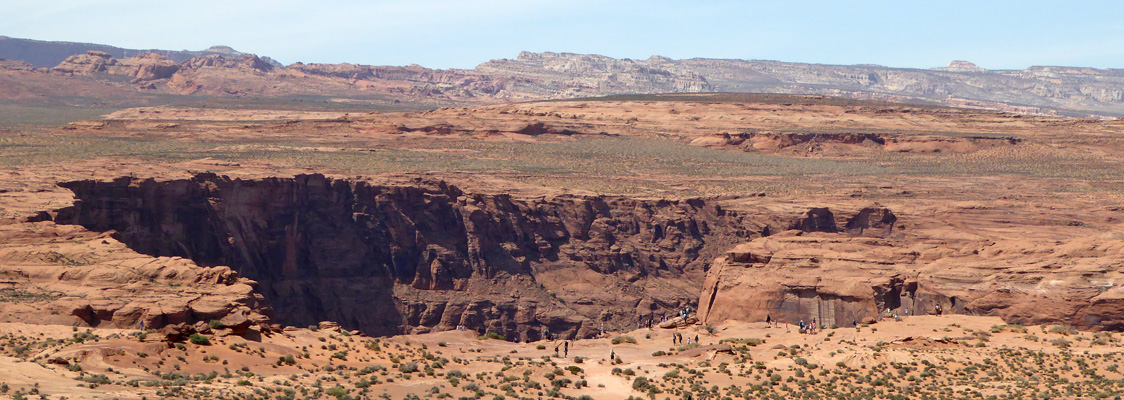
(143, 67)
(410, 258)
(59, 274)
(856, 275)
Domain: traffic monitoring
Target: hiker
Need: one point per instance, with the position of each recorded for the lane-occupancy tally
(566, 349)
(768, 319)
(612, 354)
(855, 323)
(688, 341)
(696, 339)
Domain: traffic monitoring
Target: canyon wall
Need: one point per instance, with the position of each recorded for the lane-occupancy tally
(389, 259)
(869, 274)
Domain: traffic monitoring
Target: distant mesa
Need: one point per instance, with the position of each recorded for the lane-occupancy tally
(962, 66)
(47, 54)
(222, 50)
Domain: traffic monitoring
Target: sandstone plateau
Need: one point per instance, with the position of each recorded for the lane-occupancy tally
(293, 236)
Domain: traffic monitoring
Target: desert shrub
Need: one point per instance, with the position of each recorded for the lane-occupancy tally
(1063, 329)
(408, 368)
(745, 341)
(216, 324)
(492, 335)
(641, 384)
(624, 339)
(196, 338)
(338, 392)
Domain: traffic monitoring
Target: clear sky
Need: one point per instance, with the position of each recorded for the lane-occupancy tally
(462, 34)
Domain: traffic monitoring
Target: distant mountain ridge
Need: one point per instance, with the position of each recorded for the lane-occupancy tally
(222, 71)
(46, 54)
(1038, 89)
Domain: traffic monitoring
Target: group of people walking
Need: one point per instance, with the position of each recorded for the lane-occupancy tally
(677, 338)
(565, 348)
(809, 328)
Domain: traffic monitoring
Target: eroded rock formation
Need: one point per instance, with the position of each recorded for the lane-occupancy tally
(855, 276)
(388, 259)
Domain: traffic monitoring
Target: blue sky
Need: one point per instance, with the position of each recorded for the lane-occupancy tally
(462, 34)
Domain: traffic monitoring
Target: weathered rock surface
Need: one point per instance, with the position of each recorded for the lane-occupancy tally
(391, 259)
(143, 67)
(62, 275)
(841, 278)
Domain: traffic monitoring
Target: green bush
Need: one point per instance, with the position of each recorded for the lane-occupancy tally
(492, 335)
(196, 338)
(641, 384)
(216, 324)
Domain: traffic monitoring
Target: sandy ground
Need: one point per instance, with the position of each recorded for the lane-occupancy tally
(916, 355)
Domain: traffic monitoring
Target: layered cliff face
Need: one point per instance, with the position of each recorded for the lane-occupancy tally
(388, 259)
(867, 268)
(67, 275)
